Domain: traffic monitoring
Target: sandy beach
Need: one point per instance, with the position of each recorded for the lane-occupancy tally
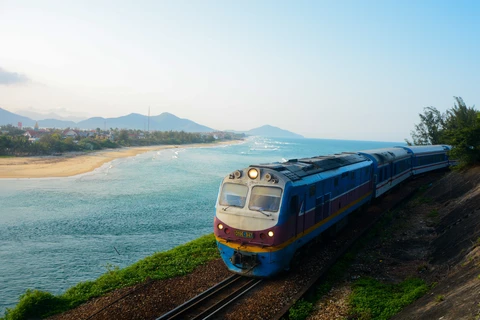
(71, 164)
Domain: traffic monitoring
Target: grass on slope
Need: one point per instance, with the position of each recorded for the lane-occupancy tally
(372, 299)
(161, 265)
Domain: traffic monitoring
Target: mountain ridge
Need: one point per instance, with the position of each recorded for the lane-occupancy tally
(165, 121)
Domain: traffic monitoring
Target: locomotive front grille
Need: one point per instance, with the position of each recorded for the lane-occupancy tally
(244, 260)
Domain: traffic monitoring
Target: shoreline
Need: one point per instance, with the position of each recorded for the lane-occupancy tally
(72, 164)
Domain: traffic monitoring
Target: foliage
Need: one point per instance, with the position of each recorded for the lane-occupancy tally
(430, 128)
(371, 299)
(161, 265)
(458, 127)
(11, 130)
(34, 303)
(13, 142)
(300, 310)
(433, 213)
(463, 132)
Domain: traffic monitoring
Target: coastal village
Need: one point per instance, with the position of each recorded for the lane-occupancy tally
(53, 141)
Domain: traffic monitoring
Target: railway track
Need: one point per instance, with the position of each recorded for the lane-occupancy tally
(209, 303)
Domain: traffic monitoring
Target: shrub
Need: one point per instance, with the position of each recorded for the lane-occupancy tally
(372, 299)
(33, 303)
(300, 310)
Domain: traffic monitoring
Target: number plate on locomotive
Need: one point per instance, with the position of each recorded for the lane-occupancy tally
(244, 234)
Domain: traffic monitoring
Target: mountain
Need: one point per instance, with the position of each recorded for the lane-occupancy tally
(163, 122)
(131, 121)
(272, 132)
(54, 123)
(168, 121)
(51, 115)
(7, 117)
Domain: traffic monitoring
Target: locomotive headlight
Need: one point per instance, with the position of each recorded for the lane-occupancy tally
(253, 173)
(270, 233)
(220, 226)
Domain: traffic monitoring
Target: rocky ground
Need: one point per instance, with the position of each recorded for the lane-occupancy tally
(436, 237)
(431, 237)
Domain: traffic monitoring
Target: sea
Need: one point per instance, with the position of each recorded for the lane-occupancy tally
(56, 232)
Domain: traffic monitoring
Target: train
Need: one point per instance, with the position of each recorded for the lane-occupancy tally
(266, 213)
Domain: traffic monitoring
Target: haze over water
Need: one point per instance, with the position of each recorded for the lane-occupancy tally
(57, 232)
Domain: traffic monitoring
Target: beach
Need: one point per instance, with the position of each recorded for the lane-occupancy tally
(71, 164)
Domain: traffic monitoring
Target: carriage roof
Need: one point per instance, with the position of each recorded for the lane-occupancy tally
(427, 148)
(296, 169)
(386, 154)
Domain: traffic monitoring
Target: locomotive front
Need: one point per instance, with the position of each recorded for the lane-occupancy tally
(249, 226)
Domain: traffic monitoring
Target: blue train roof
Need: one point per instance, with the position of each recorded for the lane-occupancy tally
(427, 148)
(386, 154)
(296, 169)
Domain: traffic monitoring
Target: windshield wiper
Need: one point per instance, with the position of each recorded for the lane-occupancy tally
(260, 210)
(225, 209)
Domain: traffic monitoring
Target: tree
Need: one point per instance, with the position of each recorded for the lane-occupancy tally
(460, 116)
(430, 129)
(462, 129)
(123, 137)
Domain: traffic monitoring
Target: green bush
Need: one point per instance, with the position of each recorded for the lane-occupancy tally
(433, 213)
(300, 310)
(371, 299)
(34, 303)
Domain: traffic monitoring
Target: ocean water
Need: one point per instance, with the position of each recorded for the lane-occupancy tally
(56, 232)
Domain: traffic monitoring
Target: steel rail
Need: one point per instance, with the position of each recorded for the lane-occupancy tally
(188, 305)
(217, 307)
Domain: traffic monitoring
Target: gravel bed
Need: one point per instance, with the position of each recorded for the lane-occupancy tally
(151, 299)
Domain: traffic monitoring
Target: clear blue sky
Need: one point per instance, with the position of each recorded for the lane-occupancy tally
(325, 69)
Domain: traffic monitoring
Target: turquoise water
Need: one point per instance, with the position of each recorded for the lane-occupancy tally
(57, 232)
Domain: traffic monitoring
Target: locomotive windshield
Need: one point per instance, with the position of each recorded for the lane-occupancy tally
(265, 199)
(233, 195)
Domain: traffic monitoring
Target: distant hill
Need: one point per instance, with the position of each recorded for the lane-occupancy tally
(168, 121)
(163, 122)
(131, 121)
(41, 116)
(54, 123)
(7, 117)
(272, 132)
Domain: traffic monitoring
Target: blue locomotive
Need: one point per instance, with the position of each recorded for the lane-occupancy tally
(267, 212)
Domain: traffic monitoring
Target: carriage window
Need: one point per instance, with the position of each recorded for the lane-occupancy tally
(265, 198)
(312, 191)
(233, 195)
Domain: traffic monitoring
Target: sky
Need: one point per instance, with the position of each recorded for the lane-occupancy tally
(357, 70)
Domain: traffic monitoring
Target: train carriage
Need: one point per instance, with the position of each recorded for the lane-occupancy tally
(428, 158)
(391, 167)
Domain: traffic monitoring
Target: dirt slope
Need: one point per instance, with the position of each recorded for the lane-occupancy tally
(454, 255)
(434, 236)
